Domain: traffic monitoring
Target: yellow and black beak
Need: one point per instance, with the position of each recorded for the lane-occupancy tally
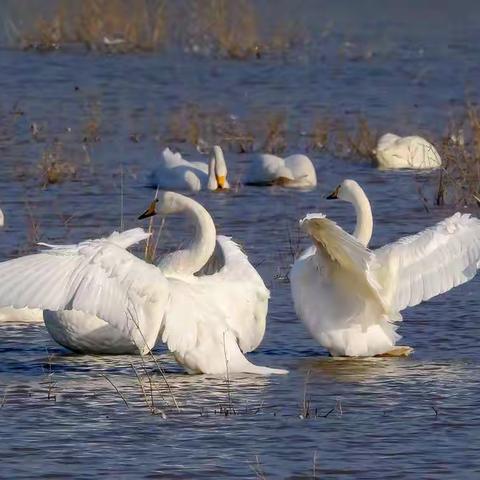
(150, 211)
(220, 181)
(334, 194)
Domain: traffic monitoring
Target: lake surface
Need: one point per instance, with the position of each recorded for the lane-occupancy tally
(60, 416)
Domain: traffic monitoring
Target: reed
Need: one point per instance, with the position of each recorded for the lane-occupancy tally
(234, 29)
(458, 181)
(54, 168)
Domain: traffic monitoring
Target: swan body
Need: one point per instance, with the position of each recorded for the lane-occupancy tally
(406, 152)
(218, 301)
(294, 171)
(350, 297)
(20, 315)
(84, 333)
(98, 278)
(176, 173)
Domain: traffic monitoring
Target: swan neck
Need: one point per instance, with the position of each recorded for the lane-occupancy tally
(364, 227)
(191, 259)
(212, 179)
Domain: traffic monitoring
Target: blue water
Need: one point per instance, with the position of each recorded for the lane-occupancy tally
(377, 418)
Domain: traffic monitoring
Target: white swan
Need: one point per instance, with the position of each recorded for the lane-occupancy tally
(176, 173)
(218, 301)
(350, 297)
(95, 277)
(406, 152)
(295, 171)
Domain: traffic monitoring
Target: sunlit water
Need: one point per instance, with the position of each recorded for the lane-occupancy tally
(378, 418)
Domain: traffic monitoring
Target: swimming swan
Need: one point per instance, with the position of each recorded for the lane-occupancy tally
(95, 278)
(350, 297)
(176, 173)
(218, 302)
(406, 152)
(295, 171)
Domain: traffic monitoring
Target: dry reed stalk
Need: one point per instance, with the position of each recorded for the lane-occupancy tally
(258, 469)
(275, 135)
(305, 413)
(458, 182)
(116, 389)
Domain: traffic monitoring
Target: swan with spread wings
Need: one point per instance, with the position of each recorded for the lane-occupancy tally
(350, 297)
(206, 302)
(218, 301)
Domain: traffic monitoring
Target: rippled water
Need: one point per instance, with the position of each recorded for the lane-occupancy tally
(377, 418)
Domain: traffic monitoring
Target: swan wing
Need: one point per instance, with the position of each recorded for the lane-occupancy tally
(171, 159)
(232, 297)
(418, 267)
(247, 293)
(353, 260)
(98, 277)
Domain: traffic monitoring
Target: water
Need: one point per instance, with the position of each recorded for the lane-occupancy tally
(372, 418)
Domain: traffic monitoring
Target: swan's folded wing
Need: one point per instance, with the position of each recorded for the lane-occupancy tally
(98, 277)
(247, 294)
(228, 297)
(356, 262)
(418, 267)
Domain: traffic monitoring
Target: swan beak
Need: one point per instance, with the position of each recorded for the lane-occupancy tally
(221, 181)
(334, 194)
(150, 211)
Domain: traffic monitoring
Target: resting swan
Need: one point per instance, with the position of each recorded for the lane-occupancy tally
(295, 171)
(350, 297)
(176, 173)
(218, 302)
(406, 152)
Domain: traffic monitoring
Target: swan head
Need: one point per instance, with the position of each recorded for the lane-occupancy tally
(348, 191)
(166, 203)
(150, 211)
(220, 168)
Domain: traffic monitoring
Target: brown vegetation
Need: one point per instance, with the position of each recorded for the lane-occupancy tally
(227, 28)
(459, 179)
(54, 168)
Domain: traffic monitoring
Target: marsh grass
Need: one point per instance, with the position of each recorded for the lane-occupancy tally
(359, 142)
(234, 29)
(110, 26)
(458, 181)
(54, 167)
(275, 132)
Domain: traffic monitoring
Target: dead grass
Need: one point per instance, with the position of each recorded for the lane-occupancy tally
(111, 26)
(53, 166)
(360, 144)
(234, 29)
(458, 182)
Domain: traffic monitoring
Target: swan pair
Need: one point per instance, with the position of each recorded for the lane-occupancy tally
(394, 152)
(350, 297)
(206, 302)
(174, 172)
